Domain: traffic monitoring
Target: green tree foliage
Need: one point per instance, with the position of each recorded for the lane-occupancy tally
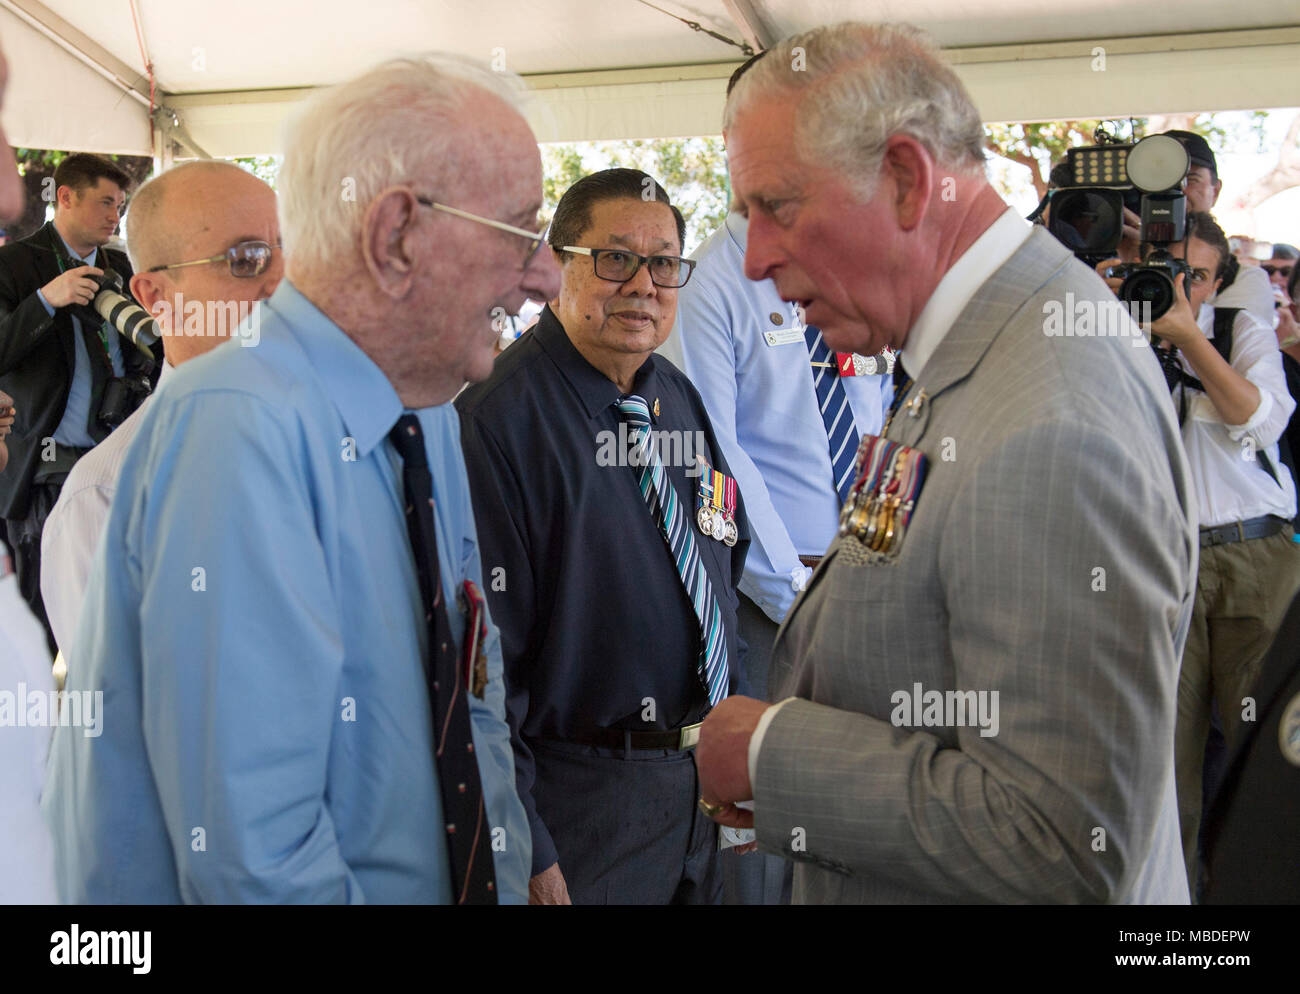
(264, 167)
(692, 170)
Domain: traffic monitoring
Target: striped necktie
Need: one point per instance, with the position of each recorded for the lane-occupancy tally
(841, 432)
(661, 497)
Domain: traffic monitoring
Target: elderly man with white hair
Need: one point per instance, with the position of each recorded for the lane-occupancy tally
(984, 664)
(302, 690)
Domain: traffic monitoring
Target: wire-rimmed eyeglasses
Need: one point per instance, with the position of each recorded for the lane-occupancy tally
(535, 238)
(246, 259)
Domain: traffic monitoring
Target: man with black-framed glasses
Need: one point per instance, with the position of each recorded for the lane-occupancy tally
(205, 240)
(614, 534)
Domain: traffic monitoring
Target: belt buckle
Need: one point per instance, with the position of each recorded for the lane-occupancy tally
(690, 735)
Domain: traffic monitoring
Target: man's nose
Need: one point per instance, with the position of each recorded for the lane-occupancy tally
(640, 283)
(541, 279)
(761, 255)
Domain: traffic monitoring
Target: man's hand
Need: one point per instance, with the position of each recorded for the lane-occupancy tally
(1130, 245)
(1288, 332)
(1178, 326)
(6, 425)
(1114, 282)
(548, 887)
(72, 287)
(722, 757)
(7, 413)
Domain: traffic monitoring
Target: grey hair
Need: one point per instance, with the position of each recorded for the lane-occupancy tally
(150, 239)
(860, 85)
(351, 141)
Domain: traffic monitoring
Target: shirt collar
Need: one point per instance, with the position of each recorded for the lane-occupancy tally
(959, 284)
(596, 390)
(362, 394)
(88, 259)
(737, 226)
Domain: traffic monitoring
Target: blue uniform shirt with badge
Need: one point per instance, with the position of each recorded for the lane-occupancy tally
(744, 349)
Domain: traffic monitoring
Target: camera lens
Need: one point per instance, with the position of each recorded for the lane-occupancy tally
(1087, 221)
(1148, 291)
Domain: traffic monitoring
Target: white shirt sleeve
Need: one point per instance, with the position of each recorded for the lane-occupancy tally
(1256, 357)
(756, 740)
(68, 544)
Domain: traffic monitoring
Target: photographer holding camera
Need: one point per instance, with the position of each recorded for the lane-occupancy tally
(72, 378)
(1227, 384)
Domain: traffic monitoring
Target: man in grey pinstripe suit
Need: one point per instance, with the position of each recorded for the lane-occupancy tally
(982, 707)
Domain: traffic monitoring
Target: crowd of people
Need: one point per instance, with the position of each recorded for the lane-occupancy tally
(813, 568)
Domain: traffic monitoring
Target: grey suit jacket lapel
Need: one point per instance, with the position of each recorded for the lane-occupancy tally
(995, 304)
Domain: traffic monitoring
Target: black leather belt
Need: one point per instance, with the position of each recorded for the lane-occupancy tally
(1242, 531)
(616, 738)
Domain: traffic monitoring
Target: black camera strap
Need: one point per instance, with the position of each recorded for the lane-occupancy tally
(1224, 318)
(56, 243)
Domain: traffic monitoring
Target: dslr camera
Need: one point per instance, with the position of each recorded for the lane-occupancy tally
(122, 394)
(1087, 214)
(130, 320)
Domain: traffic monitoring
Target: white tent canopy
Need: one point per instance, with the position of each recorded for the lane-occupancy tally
(227, 75)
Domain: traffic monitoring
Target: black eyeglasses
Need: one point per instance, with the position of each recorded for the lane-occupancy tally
(536, 239)
(618, 266)
(1273, 270)
(247, 259)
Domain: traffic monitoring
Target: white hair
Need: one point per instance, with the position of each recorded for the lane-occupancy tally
(391, 125)
(860, 85)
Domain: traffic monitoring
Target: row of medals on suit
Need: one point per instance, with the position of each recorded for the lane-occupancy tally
(888, 477)
(716, 506)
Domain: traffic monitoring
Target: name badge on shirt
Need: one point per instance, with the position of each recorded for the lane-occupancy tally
(890, 476)
(716, 510)
(783, 336)
(474, 657)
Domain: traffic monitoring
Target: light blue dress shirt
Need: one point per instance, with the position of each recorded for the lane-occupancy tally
(73, 428)
(763, 405)
(253, 620)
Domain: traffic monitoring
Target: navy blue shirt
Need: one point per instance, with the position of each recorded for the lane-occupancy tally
(593, 615)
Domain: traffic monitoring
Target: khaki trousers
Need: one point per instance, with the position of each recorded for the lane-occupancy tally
(1243, 589)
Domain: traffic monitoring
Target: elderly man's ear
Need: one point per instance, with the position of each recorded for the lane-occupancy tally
(910, 169)
(388, 241)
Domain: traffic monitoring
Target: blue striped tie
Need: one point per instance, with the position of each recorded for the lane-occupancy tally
(661, 497)
(841, 432)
